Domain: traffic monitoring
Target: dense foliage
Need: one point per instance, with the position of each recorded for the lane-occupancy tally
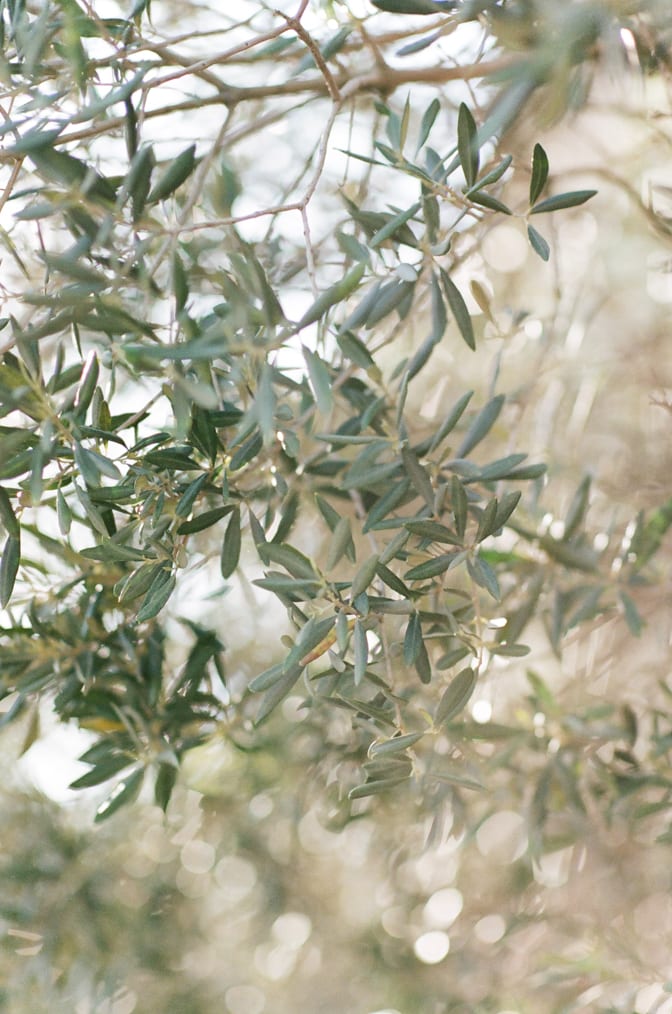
(259, 464)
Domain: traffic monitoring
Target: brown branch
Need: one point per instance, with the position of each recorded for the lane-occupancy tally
(309, 41)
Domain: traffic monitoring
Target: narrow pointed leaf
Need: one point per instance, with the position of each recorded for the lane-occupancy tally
(174, 176)
(456, 696)
(467, 144)
(361, 651)
(123, 793)
(231, 545)
(9, 566)
(459, 310)
(569, 200)
(539, 173)
(412, 639)
(538, 243)
(481, 426)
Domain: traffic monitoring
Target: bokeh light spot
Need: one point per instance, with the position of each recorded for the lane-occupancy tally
(432, 947)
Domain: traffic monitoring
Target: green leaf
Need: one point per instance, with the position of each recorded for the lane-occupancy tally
(577, 508)
(231, 545)
(103, 771)
(431, 568)
(412, 639)
(361, 651)
(418, 476)
(393, 224)
(397, 744)
(428, 117)
(247, 451)
(422, 665)
(137, 182)
(460, 506)
(433, 530)
(389, 578)
(509, 650)
(7, 516)
(375, 788)
(277, 692)
(180, 283)
(164, 785)
(341, 541)
(459, 309)
(158, 594)
(63, 513)
(573, 557)
(60, 167)
(331, 296)
(320, 380)
(539, 173)
(364, 576)
(388, 299)
(179, 170)
(123, 793)
(491, 177)
(467, 144)
(291, 559)
(386, 504)
(538, 243)
(483, 574)
(138, 582)
(488, 201)
(205, 520)
(87, 384)
(481, 426)
(632, 616)
(188, 498)
(451, 420)
(506, 507)
(9, 566)
(455, 698)
(457, 778)
(487, 524)
(569, 200)
(119, 94)
(296, 588)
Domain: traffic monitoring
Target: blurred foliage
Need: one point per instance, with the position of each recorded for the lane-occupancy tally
(291, 306)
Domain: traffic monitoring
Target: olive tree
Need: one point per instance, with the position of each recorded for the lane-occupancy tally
(234, 255)
(297, 486)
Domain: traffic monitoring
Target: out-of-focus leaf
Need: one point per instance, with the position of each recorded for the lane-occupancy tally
(7, 516)
(632, 615)
(123, 793)
(375, 788)
(177, 171)
(9, 567)
(331, 296)
(397, 744)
